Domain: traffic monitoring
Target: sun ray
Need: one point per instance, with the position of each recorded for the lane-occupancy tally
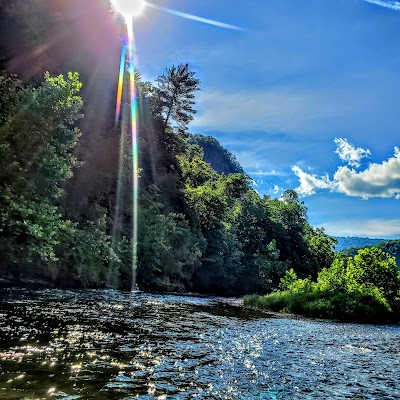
(128, 52)
(135, 153)
(194, 17)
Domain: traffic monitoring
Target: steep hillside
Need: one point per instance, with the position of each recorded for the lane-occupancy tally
(221, 160)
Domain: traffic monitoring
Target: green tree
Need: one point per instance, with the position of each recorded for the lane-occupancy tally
(292, 233)
(288, 280)
(194, 170)
(334, 278)
(176, 90)
(271, 268)
(320, 250)
(220, 265)
(86, 253)
(208, 204)
(10, 86)
(373, 267)
(36, 157)
(253, 227)
(370, 273)
(168, 251)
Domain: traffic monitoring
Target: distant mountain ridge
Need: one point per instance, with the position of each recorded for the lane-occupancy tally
(355, 241)
(391, 247)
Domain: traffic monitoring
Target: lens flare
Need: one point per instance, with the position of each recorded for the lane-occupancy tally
(128, 51)
(129, 8)
(120, 81)
(135, 152)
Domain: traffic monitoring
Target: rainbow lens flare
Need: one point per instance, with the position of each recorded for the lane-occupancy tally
(128, 47)
(135, 152)
(120, 81)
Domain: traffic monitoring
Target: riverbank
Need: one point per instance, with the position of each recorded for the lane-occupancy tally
(339, 307)
(8, 281)
(362, 289)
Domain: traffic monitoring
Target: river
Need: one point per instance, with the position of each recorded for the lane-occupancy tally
(104, 344)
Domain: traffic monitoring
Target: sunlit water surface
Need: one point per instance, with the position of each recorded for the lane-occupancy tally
(112, 345)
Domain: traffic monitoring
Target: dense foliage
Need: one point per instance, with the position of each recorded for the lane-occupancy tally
(66, 178)
(363, 288)
(198, 230)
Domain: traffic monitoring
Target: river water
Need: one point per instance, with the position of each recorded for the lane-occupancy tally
(103, 344)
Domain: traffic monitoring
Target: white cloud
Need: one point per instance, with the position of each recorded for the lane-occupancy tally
(272, 172)
(393, 5)
(377, 180)
(309, 182)
(375, 228)
(350, 154)
(276, 189)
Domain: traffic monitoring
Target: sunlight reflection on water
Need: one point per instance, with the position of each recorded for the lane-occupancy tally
(111, 345)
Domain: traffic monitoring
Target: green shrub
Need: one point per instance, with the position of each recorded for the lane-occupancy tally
(360, 289)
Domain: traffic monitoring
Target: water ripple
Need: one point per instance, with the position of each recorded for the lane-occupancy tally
(111, 345)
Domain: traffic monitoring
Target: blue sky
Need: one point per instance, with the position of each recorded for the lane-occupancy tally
(307, 97)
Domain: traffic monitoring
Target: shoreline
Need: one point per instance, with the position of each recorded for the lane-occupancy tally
(299, 317)
(237, 302)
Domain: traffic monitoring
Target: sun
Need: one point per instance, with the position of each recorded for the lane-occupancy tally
(129, 8)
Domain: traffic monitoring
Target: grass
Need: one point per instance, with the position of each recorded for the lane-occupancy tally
(342, 306)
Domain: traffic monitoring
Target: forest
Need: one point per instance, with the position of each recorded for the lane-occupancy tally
(66, 197)
(66, 182)
(198, 230)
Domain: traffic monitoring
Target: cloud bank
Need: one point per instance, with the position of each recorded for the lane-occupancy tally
(278, 109)
(376, 228)
(377, 180)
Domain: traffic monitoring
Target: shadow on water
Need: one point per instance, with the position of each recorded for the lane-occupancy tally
(110, 345)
